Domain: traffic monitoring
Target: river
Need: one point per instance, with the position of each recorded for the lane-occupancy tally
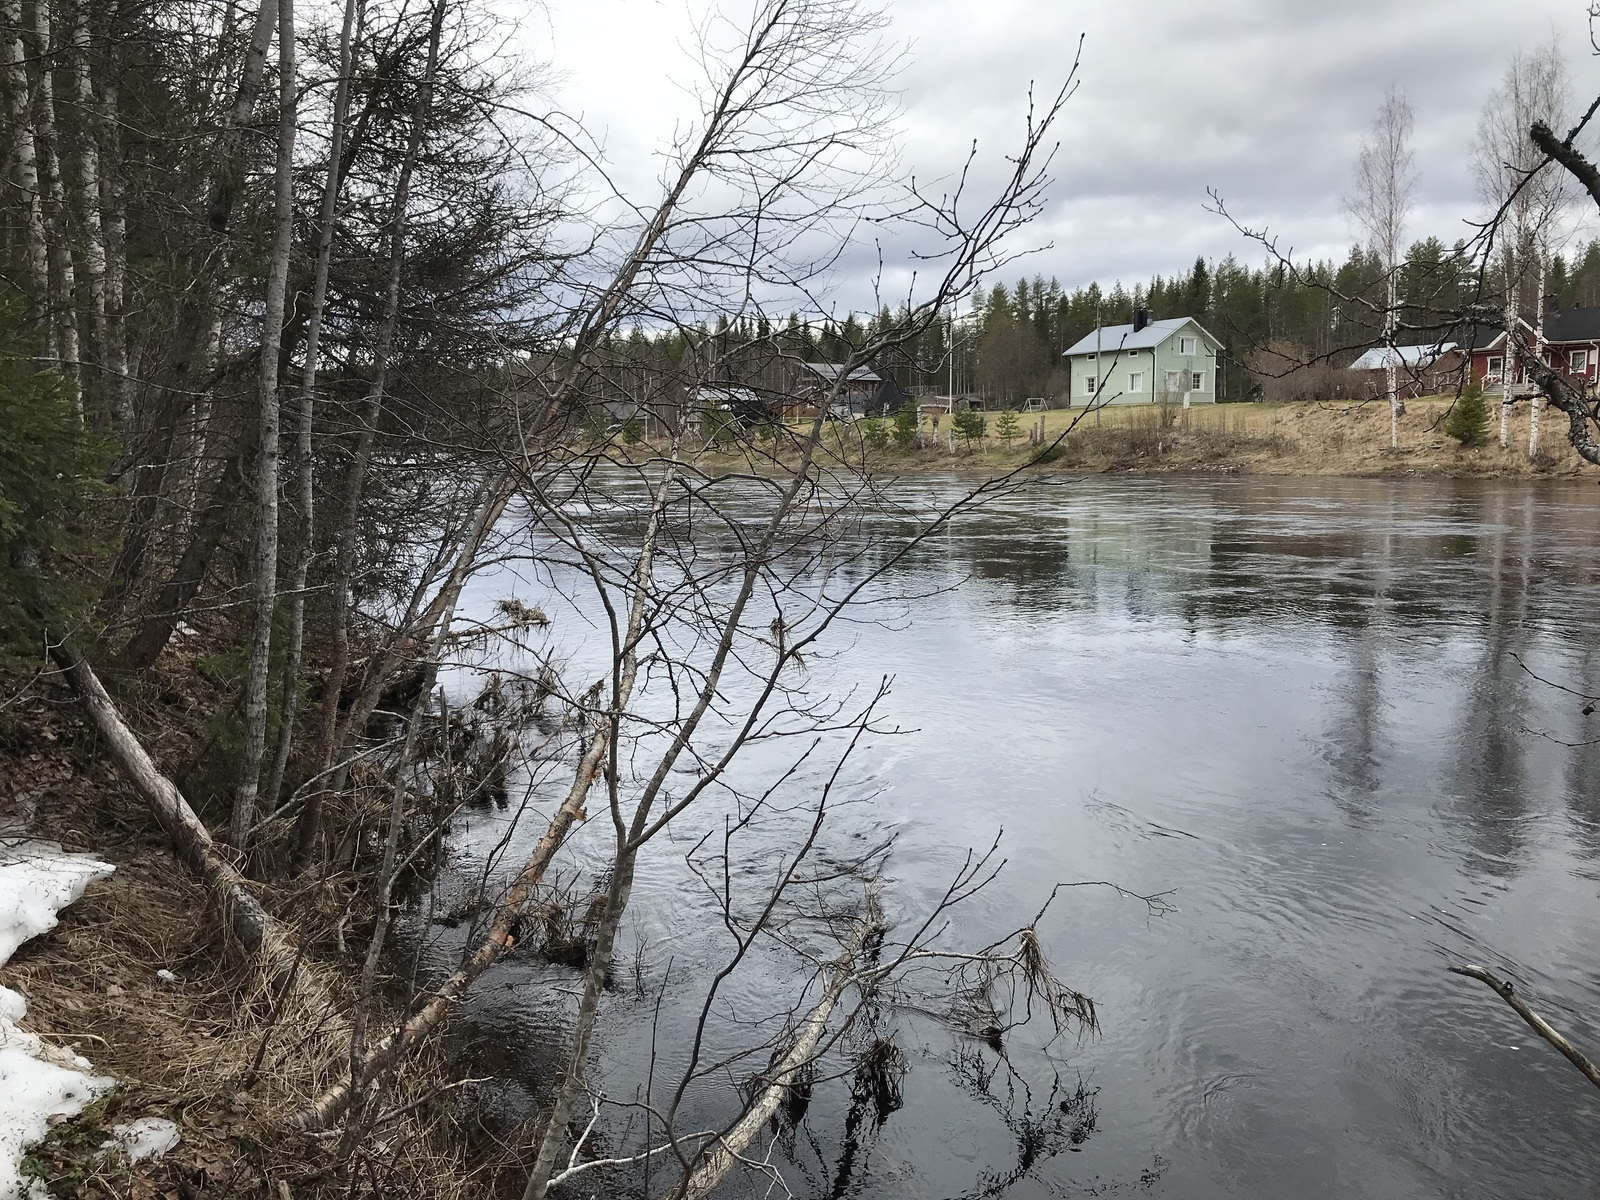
(1306, 713)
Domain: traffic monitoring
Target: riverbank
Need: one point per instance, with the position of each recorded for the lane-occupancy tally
(1311, 439)
(136, 977)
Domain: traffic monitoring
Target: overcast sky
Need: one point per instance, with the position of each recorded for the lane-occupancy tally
(1265, 100)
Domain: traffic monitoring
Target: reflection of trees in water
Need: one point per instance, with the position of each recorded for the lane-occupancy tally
(1583, 759)
(1352, 747)
(1043, 1122)
(1490, 744)
(1063, 1119)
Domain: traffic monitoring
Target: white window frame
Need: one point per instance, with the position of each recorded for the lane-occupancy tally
(1495, 366)
(1198, 381)
(1188, 347)
(1136, 381)
(1579, 362)
(1088, 385)
(1173, 381)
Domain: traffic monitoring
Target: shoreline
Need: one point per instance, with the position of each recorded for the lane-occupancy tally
(1312, 439)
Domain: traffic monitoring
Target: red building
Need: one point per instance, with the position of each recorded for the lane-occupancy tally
(1572, 345)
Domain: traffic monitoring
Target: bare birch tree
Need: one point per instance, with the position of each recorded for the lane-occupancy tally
(265, 565)
(1526, 193)
(1380, 203)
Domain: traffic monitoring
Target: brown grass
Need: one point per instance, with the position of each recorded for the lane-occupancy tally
(214, 1051)
(1314, 438)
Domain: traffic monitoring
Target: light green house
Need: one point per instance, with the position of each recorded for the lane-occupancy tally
(1149, 362)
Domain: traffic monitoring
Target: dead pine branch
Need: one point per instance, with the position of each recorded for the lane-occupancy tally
(1538, 1024)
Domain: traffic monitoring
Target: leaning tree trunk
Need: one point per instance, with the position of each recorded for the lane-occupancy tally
(728, 1149)
(304, 413)
(265, 567)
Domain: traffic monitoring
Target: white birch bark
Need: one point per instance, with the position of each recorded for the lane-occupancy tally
(305, 404)
(266, 548)
(23, 156)
(86, 197)
(57, 242)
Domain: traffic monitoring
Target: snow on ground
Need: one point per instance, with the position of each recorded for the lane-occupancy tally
(37, 1081)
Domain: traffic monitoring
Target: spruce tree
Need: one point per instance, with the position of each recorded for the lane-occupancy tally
(1468, 422)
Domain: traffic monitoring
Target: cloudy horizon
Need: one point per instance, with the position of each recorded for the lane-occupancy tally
(1265, 101)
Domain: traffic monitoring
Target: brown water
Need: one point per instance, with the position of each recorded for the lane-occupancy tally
(1294, 705)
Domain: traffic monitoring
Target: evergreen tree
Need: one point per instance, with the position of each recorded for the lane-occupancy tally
(1468, 422)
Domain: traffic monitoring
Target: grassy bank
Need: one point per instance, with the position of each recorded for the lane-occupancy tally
(1333, 438)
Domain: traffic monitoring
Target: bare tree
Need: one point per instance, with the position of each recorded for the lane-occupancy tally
(1526, 194)
(1379, 203)
(265, 566)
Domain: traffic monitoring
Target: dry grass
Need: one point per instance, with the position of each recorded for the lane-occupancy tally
(212, 1049)
(1315, 438)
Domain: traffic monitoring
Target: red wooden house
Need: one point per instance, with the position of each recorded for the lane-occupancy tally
(1572, 345)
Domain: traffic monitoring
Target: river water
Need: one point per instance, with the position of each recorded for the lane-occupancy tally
(1306, 712)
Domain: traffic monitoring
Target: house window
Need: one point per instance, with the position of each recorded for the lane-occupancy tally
(1197, 381)
(1088, 384)
(1580, 362)
(1136, 381)
(1133, 354)
(1174, 381)
(1186, 346)
(1495, 366)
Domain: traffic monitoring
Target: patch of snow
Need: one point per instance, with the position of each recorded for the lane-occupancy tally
(166, 976)
(38, 1082)
(148, 1137)
(38, 880)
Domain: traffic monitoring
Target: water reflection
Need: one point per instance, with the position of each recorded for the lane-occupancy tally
(1297, 703)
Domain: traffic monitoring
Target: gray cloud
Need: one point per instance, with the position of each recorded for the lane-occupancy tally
(1265, 100)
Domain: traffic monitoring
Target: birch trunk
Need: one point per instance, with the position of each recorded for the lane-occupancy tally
(23, 156)
(1508, 366)
(1539, 349)
(114, 225)
(266, 548)
(86, 197)
(717, 1165)
(305, 413)
(327, 1107)
(1391, 368)
(310, 818)
(58, 243)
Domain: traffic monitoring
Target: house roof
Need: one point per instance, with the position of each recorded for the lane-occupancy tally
(831, 371)
(1572, 325)
(1123, 337)
(1380, 357)
(1560, 325)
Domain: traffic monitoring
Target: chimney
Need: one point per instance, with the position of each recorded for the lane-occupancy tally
(1141, 318)
(1549, 303)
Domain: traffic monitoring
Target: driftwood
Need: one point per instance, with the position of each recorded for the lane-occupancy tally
(1539, 1025)
(730, 1146)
